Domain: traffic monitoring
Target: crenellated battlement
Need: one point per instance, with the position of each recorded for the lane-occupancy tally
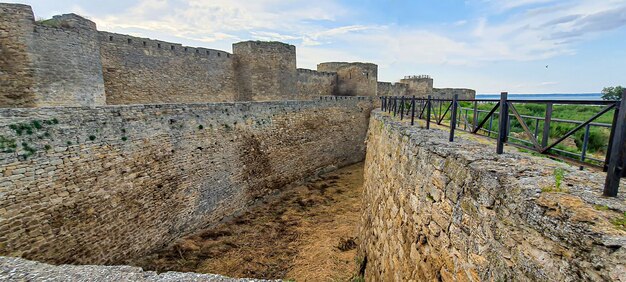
(152, 44)
(66, 61)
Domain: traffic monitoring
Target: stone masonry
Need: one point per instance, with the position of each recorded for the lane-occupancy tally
(440, 211)
(104, 184)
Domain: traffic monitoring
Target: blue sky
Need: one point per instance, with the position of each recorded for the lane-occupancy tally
(487, 45)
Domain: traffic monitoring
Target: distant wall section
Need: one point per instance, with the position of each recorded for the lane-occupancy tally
(144, 71)
(50, 63)
(313, 83)
(265, 70)
(392, 89)
(448, 93)
(353, 79)
(420, 86)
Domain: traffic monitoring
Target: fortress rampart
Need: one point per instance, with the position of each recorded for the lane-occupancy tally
(104, 184)
(353, 79)
(141, 71)
(434, 210)
(66, 61)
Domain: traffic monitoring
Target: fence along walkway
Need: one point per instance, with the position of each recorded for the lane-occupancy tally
(456, 117)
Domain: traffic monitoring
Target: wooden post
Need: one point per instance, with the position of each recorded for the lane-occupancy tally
(402, 108)
(618, 152)
(475, 116)
(413, 110)
(503, 122)
(453, 117)
(546, 126)
(428, 113)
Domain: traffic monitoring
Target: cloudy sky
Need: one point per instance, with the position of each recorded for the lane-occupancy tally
(488, 45)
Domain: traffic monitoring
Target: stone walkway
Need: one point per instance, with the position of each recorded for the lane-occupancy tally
(17, 269)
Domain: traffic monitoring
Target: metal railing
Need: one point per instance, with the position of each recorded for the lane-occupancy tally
(455, 114)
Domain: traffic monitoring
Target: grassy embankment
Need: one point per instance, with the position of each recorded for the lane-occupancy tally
(598, 136)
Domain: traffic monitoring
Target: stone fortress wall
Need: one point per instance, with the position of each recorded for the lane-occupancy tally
(48, 66)
(434, 210)
(313, 83)
(265, 70)
(144, 71)
(98, 185)
(353, 79)
(66, 61)
(421, 86)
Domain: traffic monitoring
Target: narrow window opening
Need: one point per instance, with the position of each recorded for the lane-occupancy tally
(144, 44)
(219, 54)
(130, 41)
(197, 51)
(110, 38)
(172, 47)
(159, 45)
(185, 49)
(227, 55)
(207, 52)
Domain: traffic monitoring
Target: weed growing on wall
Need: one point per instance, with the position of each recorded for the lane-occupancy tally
(24, 135)
(7, 145)
(559, 174)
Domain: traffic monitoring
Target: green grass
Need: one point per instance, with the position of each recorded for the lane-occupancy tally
(598, 136)
(620, 222)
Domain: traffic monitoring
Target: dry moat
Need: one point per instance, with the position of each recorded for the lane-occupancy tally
(306, 232)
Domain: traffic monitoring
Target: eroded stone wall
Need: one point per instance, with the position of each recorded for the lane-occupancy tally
(16, 69)
(104, 184)
(395, 89)
(448, 93)
(52, 63)
(66, 59)
(312, 84)
(440, 211)
(353, 79)
(144, 71)
(265, 70)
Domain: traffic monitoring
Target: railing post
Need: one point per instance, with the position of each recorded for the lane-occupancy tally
(453, 117)
(618, 152)
(402, 108)
(585, 145)
(607, 159)
(475, 117)
(413, 110)
(428, 113)
(502, 125)
(546, 126)
(395, 106)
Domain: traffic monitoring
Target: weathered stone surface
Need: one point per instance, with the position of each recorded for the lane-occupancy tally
(313, 84)
(435, 210)
(46, 65)
(17, 269)
(265, 70)
(102, 184)
(144, 71)
(353, 79)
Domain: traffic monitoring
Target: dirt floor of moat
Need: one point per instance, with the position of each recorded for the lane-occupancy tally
(305, 233)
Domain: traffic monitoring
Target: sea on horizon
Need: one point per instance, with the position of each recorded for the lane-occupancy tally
(559, 96)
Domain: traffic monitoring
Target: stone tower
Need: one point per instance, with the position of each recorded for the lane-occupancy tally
(353, 79)
(265, 70)
(49, 63)
(418, 85)
(16, 72)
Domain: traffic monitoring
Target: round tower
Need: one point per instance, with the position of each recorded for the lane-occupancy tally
(265, 70)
